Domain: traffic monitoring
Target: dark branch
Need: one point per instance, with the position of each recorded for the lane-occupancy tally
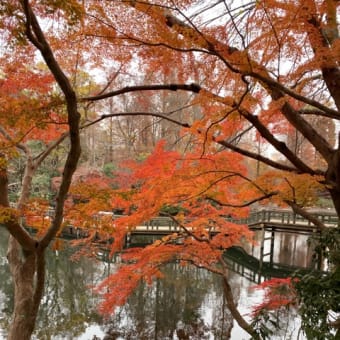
(37, 37)
(243, 205)
(278, 145)
(39, 40)
(278, 89)
(190, 233)
(261, 158)
(195, 88)
(300, 211)
(126, 114)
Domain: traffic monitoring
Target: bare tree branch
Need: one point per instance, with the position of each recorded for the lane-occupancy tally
(171, 87)
(246, 204)
(300, 211)
(278, 145)
(260, 158)
(127, 114)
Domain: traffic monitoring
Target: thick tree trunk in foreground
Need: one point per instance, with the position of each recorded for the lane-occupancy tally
(27, 269)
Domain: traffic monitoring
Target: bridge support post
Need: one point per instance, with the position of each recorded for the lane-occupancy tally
(271, 247)
(127, 240)
(272, 243)
(263, 232)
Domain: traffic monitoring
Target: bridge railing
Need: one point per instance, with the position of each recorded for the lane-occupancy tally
(283, 217)
(160, 223)
(287, 218)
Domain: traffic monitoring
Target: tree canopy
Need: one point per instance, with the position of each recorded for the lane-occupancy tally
(219, 105)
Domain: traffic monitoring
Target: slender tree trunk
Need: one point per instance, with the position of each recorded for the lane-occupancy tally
(335, 195)
(234, 311)
(26, 267)
(333, 177)
(26, 256)
(28, 273)
(3, 182)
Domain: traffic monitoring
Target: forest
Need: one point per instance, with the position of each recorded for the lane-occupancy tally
(195, 110)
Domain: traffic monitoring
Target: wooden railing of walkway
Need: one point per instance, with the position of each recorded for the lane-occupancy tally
(280, 220)
(267, 222)
(285, 220)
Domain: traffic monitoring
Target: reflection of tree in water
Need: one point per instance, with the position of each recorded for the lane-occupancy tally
(187, 304)
(290, 249)
(287, 247)
(67, 307)
(294, 250)
(175, 307)
(222, 321)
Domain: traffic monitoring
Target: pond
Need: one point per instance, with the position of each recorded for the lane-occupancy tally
(187, 304)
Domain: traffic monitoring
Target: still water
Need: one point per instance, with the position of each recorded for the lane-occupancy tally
(187, 304)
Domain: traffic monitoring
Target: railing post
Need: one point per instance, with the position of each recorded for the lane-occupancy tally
(261, 248)
(127, 240)
(272, 242)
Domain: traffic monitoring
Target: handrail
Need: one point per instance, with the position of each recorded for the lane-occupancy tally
(164, 224)
(277, 217)
(287, 217)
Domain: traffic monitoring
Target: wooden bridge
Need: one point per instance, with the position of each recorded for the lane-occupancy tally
(263, 220)
(274, 220)
(266, 222)
(269, 222)
(288, 221)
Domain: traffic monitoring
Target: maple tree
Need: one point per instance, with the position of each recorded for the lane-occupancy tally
(256, 71)
(265, 67)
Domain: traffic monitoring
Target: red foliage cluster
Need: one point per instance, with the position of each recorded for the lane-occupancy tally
(278, 293)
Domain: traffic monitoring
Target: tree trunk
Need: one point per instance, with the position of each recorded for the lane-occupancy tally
(333, 178)
(27, 269)
(335, 195)
(234, 311)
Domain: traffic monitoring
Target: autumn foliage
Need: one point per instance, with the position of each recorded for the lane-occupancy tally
(222, 106)
(279, 293)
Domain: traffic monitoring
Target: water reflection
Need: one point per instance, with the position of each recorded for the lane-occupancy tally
(67, 306)
(187, 304)
(295, 251)
(289, 249)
